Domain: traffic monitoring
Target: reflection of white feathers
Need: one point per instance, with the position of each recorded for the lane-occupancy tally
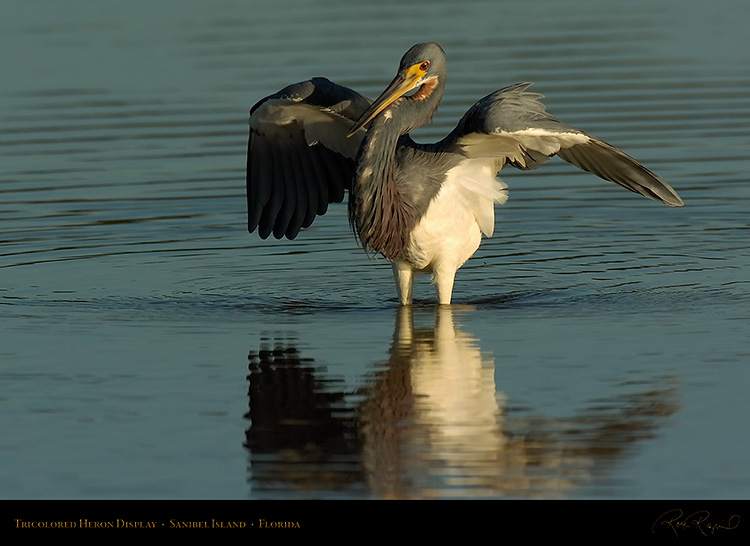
(455, 394)
(435, 425)
(460, 440)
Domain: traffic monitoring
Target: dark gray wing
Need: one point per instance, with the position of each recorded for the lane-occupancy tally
(512, 127)
(299, 159)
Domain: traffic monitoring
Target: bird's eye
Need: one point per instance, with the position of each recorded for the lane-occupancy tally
(424, 66)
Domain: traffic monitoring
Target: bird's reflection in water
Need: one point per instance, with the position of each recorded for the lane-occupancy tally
(430, 423)
(302, 434)
(432, 418)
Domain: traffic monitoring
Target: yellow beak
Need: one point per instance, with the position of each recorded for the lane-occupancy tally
(403, 83)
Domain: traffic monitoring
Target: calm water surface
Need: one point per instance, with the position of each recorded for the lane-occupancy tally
(151, 348)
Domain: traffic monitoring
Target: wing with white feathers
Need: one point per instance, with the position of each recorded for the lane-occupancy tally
(299, 159)
(512, 127)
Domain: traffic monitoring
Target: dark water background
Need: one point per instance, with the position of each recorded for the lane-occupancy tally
(151, 348)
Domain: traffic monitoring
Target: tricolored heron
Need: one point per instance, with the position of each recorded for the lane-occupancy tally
(424, 207)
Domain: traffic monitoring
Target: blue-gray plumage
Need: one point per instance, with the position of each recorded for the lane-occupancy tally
(422, 206)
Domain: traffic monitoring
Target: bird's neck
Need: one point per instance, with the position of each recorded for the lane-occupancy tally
(380, 213)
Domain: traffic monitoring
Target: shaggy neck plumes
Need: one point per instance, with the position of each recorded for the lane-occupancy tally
(379, 212)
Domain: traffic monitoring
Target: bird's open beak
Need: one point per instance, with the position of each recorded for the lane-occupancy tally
(404, 82)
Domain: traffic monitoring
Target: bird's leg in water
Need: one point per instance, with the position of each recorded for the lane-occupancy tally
(404, 276)
(443, 278)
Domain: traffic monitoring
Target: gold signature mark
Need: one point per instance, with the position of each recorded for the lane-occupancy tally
(676, 521)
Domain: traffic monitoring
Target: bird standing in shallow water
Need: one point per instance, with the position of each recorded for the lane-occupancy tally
(422, 206)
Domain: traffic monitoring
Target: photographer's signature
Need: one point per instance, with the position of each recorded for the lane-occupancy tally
(699, 521)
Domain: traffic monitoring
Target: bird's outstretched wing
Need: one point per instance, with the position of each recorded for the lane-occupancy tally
(512, 127)
(299, 159)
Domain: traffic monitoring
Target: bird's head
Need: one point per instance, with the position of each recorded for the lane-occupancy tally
(423, 66)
